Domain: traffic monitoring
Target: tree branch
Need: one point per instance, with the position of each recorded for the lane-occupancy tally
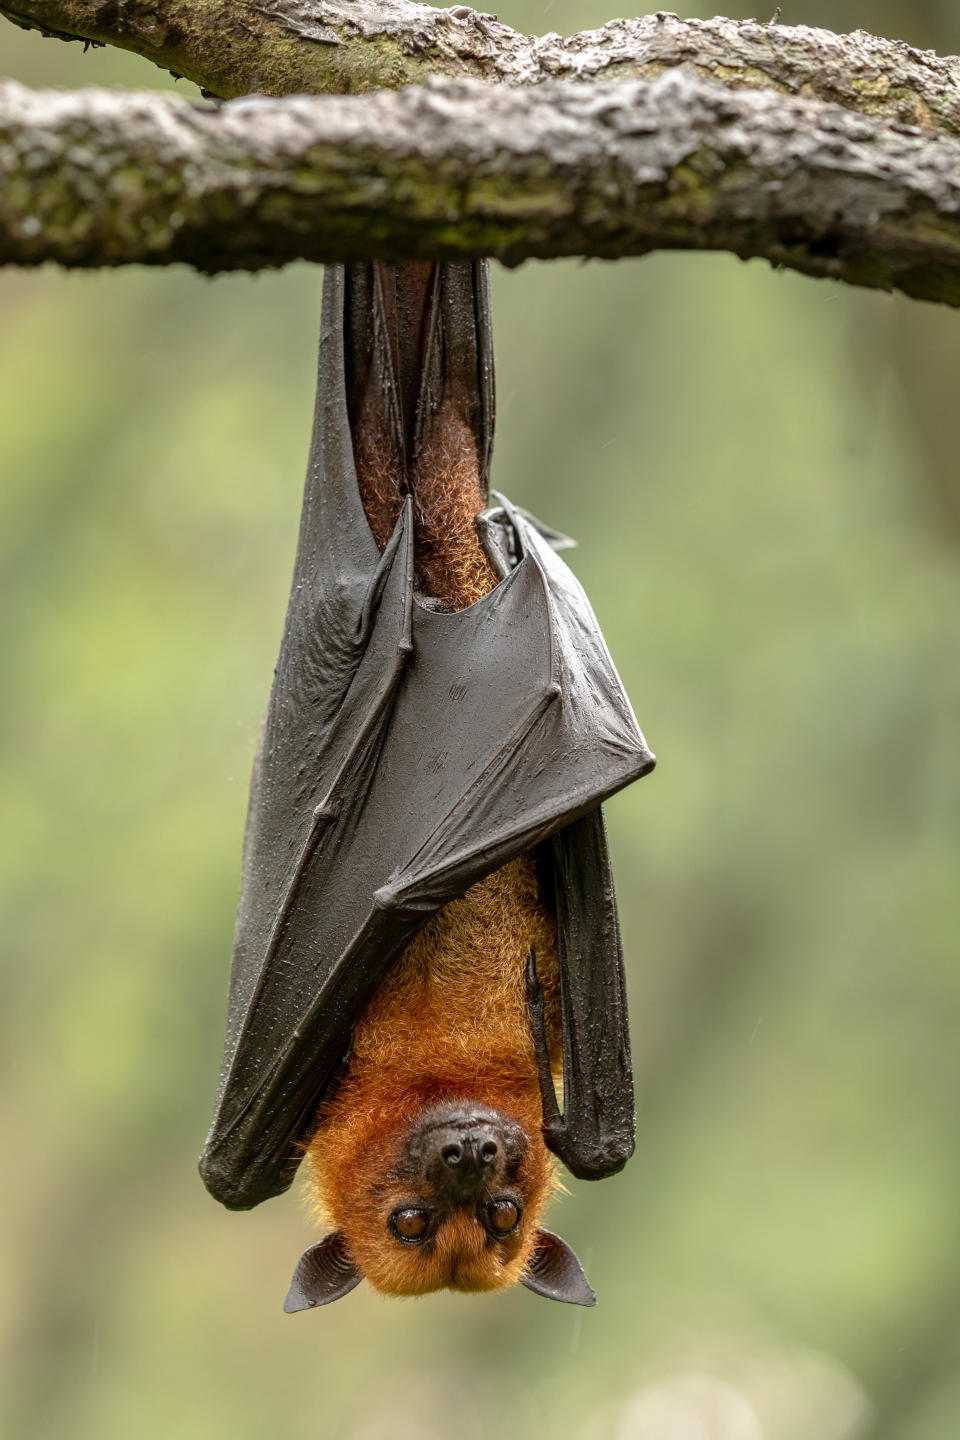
(768, 166)
(463, 169)
(283, 47)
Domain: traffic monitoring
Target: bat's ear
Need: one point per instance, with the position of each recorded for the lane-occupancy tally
(555, 1272)
(325, 1273)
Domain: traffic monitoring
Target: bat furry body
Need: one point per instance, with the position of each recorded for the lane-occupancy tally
(426, 881)
(448, 1023)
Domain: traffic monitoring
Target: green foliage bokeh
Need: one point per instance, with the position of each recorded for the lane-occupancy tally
(760, 472)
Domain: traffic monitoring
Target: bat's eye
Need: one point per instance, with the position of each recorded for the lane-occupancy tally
(410, 1224)
(503, 1216)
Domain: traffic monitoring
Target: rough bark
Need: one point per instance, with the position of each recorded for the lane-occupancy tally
(834, 155)
(282, 47)
(462, 169)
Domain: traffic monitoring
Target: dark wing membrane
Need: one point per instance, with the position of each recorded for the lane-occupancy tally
(408, 752)
(578, 742)
(458, 359)
(426, 327)
(338, 577)
(594, 1136)
(584, 745)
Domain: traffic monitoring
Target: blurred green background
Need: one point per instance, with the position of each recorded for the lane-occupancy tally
(761, 471)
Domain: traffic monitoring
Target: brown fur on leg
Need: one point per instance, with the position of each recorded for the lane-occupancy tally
(451, 561)
(401, 446)
(448, 495)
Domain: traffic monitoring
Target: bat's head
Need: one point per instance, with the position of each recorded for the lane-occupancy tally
(449, 1200)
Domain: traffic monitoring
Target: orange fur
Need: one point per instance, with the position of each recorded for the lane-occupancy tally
(450, 1020)
(448, 495)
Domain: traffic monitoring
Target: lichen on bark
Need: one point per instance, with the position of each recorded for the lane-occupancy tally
(464, 169)
(834, 155)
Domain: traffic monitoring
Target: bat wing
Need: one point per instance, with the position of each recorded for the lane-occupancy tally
(407, 752)
(594, 1135)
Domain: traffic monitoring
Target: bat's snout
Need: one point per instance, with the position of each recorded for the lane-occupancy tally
(463, 1150)
(460, 1157)
(470, 1152)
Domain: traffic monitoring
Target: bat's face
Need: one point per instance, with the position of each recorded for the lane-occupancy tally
(449, 1201)
(454, 1204)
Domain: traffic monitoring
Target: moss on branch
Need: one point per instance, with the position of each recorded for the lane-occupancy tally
(464, 169)
(283, 47)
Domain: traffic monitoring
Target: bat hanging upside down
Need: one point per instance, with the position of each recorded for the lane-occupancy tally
(427, 940)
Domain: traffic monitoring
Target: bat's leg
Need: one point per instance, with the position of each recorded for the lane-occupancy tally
(414, 369)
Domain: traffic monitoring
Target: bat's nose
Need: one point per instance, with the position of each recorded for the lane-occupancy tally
(463, 1154)
(462, 1146)
(470, 1152)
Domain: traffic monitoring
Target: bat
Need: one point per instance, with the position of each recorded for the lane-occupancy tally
(427, 939)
